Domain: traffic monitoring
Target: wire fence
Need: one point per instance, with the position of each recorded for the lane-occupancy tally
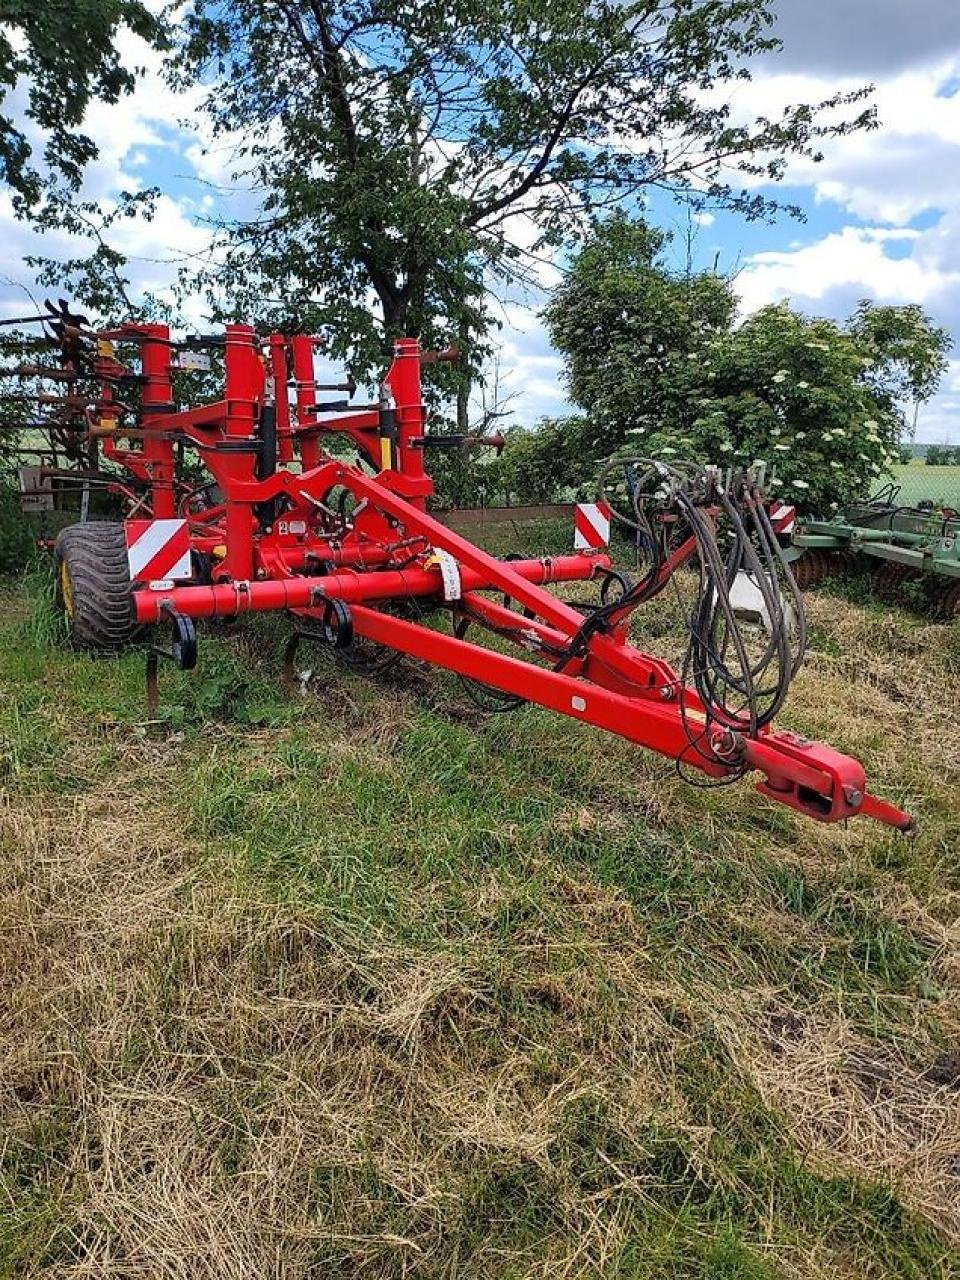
(921, 483)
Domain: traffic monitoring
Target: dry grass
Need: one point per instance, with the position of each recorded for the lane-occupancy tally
(865, 1106)
(252, 1023)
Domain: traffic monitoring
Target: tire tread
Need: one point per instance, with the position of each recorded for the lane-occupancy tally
(96, 558)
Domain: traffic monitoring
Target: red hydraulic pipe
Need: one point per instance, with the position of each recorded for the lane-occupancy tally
(404, 382)
(282, 560)
(305, 378)
(466, 553)
(229, 599)
(246, 382)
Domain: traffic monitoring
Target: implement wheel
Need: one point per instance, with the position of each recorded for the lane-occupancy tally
(93, 586)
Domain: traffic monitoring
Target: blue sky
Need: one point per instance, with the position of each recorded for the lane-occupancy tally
(883, 210)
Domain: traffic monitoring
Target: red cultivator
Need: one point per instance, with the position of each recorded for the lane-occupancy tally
(278, 522)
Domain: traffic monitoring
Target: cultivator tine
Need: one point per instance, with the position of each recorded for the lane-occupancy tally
(291, 679)
(51, 373)
(15, 320)
(182, 652)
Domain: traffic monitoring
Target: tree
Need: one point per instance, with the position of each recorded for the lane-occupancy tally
(942, 455)
(551, 464)
(418, 152)
(657, 366)
(59, 57)
(628, 328)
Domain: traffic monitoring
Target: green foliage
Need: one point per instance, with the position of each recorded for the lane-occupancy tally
(63, 56)
(656, 364)
(17, 546)
(629, 329)
(553, 463)
(943, 455)
(409, 150)
(464, 479)
(908, 352)
(95, 281)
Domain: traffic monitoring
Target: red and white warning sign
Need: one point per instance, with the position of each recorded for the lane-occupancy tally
(158, 550)
(783, 517)
(591, 521)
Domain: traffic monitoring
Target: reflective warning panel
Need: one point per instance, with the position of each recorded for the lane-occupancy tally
(783, 517)
(158, 549)
(591, 526)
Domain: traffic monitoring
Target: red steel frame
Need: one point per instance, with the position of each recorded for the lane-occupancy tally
(273, 544)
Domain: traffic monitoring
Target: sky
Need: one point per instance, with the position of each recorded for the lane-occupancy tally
(882, 210)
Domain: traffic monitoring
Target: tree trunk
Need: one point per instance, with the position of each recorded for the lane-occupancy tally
(463, 389)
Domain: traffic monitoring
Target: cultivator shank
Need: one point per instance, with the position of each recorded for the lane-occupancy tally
(273, 519)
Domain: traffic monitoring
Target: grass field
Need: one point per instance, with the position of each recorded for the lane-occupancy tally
(920, 483)
(360, 983)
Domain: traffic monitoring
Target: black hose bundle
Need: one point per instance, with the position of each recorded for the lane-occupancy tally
(741, 686)
(737, 689)
(740, 690)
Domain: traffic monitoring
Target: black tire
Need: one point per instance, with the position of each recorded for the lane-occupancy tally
(93, 586)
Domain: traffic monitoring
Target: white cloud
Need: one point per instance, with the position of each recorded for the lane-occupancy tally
(890, 174)
(831, 275)
(853, 259)
(887, 178)
(136, 138)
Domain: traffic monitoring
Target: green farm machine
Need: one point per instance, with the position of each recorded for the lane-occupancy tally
(913, 551)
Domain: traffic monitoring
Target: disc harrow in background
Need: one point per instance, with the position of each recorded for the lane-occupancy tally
(891, 581)
(948, 605)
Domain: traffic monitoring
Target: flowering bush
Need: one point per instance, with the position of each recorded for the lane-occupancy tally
(658, 367)
(792, 392)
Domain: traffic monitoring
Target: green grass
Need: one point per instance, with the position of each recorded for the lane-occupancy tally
(361, 982)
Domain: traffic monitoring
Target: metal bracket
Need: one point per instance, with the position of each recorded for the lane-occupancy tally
(335, 631)
(182, 653)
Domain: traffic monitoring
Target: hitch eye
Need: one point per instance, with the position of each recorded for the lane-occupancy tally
(814, 802)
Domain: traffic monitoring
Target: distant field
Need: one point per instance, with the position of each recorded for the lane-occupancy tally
(919, 482)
